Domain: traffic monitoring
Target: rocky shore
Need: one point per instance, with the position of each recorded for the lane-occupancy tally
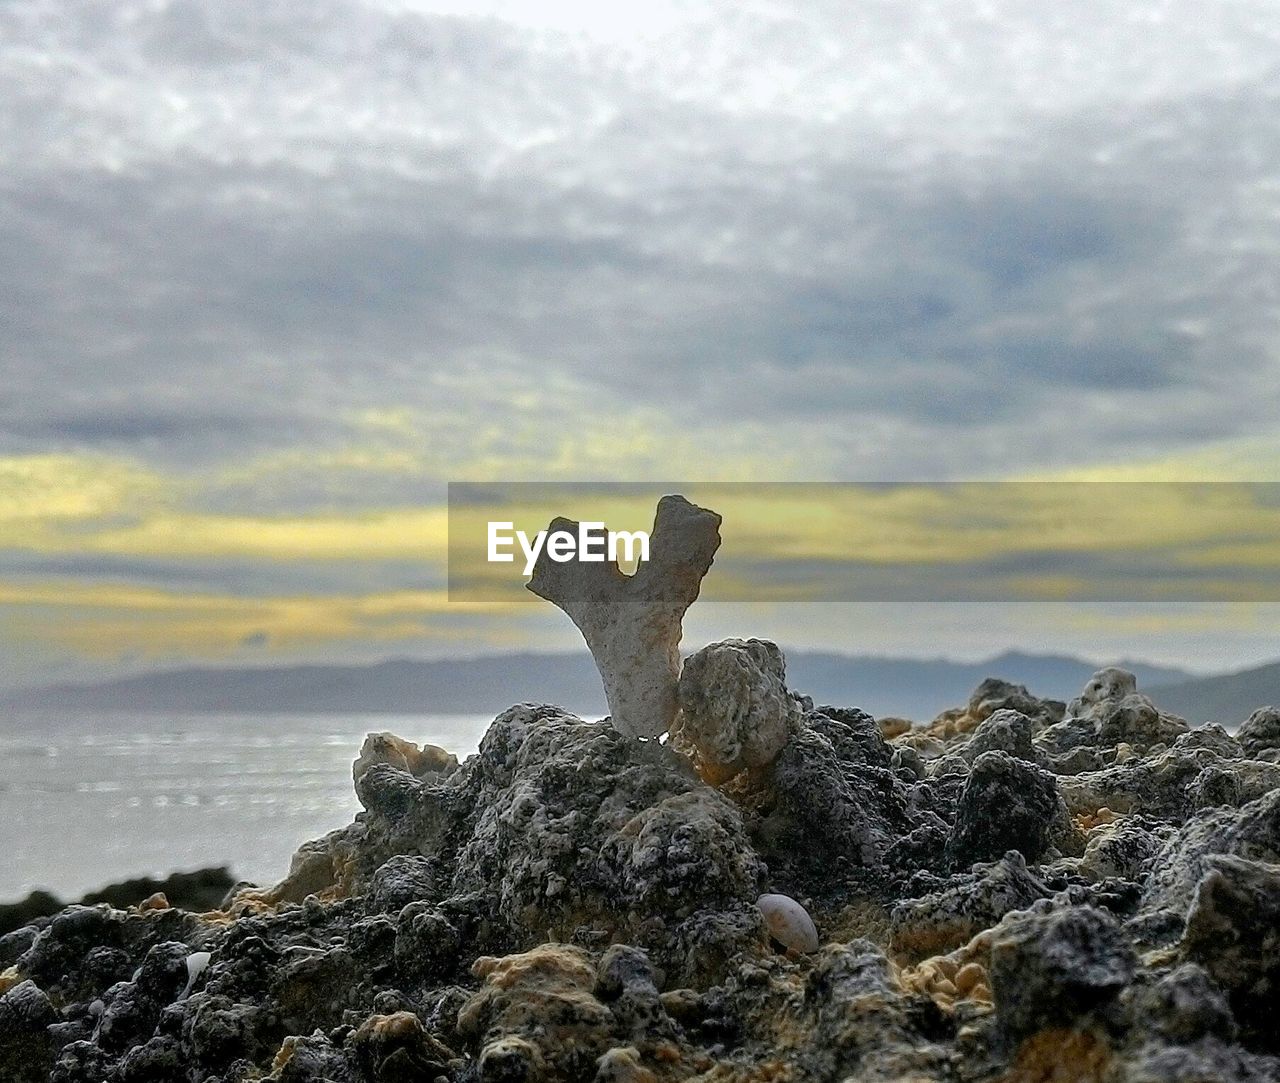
(1022, 890)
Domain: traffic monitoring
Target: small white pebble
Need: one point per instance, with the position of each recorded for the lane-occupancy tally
(788, 922)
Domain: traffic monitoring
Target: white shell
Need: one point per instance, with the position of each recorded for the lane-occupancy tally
(789, 923)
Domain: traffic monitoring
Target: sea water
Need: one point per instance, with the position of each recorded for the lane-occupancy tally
(89, 798)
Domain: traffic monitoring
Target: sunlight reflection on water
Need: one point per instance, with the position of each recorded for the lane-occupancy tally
(90, 798)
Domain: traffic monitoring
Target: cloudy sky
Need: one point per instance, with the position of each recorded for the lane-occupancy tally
(274, 273)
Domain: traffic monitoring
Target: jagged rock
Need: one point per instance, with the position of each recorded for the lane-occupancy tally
(396, 751)
(573, 903)
(1137, 722)
(882, 1038)
(1184, 1006)
(701, 949)
(575, 824)
(1233, 931)
(1007, 804)
(1261, 731)
(735, 710)
(427, 943)
(1162, 784)
(1120, 713)
(1208, 1061)
(536, 1017)
(308, 1059)
(397, 1046)
(1049, 969)
(1003, 731)
(632, 624)
(403, 879)
(26, 1051)
(946, 919)
(1124, 849)
(830, 782)
(1110, 685)
(1252, 831)
(994, 695)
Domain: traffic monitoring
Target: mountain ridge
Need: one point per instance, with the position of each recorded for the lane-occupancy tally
(884, 685)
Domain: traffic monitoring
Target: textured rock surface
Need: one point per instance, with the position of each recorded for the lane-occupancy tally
(632, 624)
(1016, 893)
(1261, 731)
(735, 710)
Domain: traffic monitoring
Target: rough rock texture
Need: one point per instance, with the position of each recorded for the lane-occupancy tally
(632, 624)
(735, 710)
(1027, 895)
(1006, 804)
(1261, 732)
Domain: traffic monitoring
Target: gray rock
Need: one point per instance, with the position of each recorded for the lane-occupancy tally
(1110, 685)
(1261, 731)
(994, 695)
(1003, 731)
(735, 710)
(1124, 849)
(944, 920)
(1007, 804)
(1233, 931)
(1048, 970)
(573, 903)
(26, 1051)
(1184, 1006)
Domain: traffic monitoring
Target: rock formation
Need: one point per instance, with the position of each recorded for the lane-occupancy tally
(632, 624)
(1016, 892)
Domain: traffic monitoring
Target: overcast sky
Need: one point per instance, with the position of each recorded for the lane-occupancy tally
(273, 273)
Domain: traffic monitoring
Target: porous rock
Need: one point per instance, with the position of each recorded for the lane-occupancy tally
(1049, 969)
(735, 710)
(1007, 804)
(1260, 732)
(1233, 931)
(1012, 897)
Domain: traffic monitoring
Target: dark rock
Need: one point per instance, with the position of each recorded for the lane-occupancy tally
(1184, 1006)
(1007, 804)
(1003, 731)
(403, 879)
(1048, 970)
(427, 944)
(572, 903)
(1233, 931)
(994, 695)
(26, 1049)
(944, 920)
(1261, 731)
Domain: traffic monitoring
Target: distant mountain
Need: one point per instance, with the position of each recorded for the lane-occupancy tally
(1228, 699)
(913, 688)
(401, 686)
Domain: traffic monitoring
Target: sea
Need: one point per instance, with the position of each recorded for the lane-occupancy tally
(88, 799)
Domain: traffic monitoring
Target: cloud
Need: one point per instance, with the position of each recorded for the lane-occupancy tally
(274, 274)
(248, 227)
(127, 621)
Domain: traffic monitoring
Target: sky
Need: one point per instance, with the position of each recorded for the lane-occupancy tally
(274, 274)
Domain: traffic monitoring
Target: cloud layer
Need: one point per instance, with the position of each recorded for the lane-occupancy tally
(234, 225)
(265, 260)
